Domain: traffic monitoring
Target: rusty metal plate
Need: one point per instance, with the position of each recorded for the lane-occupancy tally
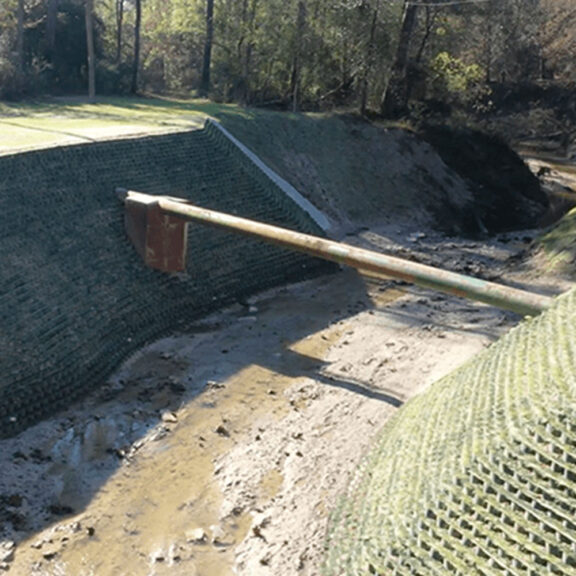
(159, 238)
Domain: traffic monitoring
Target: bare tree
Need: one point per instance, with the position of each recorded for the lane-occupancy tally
(246, 47)
(369, 64)
(558, 39)
(430, 17)
(119, 28)
(297, 59)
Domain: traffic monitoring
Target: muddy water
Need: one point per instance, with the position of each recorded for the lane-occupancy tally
(161, 511)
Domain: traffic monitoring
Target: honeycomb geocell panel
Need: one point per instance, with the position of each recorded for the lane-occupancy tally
(477, 476)
(75, 297)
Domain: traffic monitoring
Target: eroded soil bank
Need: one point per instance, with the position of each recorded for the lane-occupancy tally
(223, 449)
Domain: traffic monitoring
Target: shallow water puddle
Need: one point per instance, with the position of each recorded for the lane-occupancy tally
(165, 508)
(160, 513)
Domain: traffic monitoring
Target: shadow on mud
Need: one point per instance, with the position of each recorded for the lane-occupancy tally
(187, 397)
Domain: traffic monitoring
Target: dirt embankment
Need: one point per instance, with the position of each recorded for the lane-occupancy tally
(359, 173)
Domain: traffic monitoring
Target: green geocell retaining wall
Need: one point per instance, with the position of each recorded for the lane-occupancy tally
(75, 298)
(477, 476)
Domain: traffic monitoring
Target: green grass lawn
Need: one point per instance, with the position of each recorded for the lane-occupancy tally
(51, 122)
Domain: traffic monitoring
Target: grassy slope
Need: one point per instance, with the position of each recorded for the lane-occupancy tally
(353, 170)
(335, 161)
(557, 247)
(39, 124)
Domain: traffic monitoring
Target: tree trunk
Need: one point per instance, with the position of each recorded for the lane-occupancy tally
(136, 62)
(51, 21)
(395, 99)
(20, 36)
(491, 11)
(297, 62)
(89, 12)
(205, 84)
(119, 29)
(369, 60)
(246, 95)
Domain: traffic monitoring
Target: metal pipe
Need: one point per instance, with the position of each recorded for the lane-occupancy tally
(525, 303)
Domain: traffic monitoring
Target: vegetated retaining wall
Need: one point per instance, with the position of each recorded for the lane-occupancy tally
(478, 474)
(75, 299)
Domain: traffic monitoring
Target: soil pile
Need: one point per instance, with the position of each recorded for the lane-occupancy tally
(507, 195)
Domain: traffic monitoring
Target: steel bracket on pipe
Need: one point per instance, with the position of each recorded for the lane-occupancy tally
(159, 238)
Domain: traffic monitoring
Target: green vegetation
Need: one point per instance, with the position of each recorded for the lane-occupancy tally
(453, 77)
(289, 54)
(557, 247)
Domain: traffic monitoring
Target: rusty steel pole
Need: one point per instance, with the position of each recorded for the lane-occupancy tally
(520, 301)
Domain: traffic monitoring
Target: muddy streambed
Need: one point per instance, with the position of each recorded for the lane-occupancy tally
(222, 450)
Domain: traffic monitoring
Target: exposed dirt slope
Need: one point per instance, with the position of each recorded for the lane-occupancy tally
(360, 172)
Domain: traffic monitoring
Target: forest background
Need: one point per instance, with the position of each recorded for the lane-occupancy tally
(384, 57)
